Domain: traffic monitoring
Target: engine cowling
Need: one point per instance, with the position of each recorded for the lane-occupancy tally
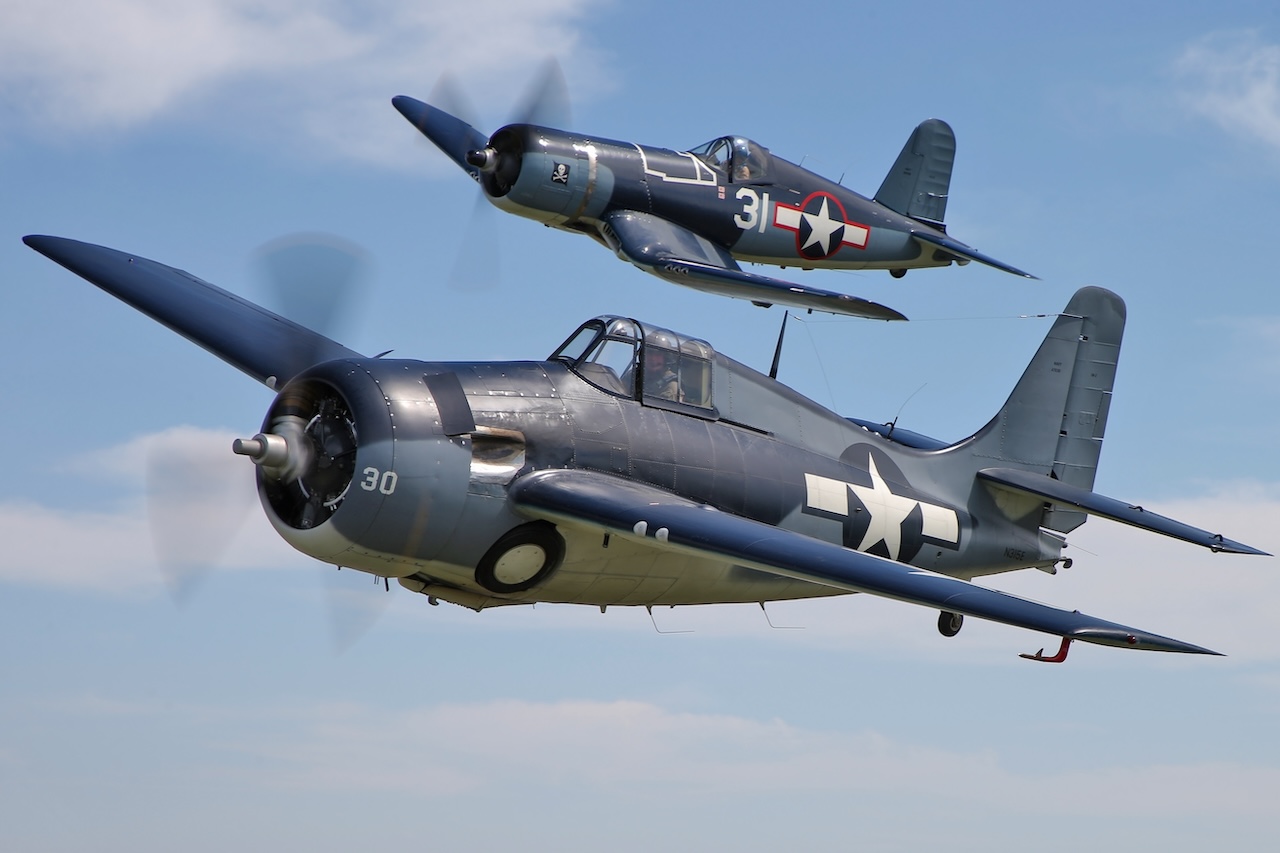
(354, 467)
(543, 174)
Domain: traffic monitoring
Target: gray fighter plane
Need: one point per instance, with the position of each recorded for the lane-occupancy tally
(689, 216)
(638, 466)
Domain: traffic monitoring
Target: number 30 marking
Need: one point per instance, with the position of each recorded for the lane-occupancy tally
(382, 481)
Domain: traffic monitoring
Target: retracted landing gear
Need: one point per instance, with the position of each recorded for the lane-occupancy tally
(949, 624)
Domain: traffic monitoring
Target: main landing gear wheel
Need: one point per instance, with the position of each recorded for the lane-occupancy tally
(521, 559)
(949, 624)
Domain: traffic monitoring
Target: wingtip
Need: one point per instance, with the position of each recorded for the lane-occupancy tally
(1228, 546)
(1123, 637)
(76, 255)
(1190, 649)
(49, 246)
(869, 310)
(411, 108)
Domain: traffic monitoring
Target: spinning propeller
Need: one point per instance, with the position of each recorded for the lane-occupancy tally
(494, 161)
(306, 455)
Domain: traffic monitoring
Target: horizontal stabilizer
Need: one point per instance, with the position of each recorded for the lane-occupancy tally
(680, 256)
(1074, 497)
(264, 345)
(452, 135)
(963, 252)
(588, 499)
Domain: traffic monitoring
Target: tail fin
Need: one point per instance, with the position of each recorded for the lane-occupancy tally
(1039, 455)
(1053, 422)
(920, 179)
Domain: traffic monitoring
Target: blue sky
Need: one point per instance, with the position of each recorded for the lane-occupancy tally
(1137, 149)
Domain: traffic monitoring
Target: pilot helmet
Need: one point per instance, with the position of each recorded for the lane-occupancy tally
(660, 348)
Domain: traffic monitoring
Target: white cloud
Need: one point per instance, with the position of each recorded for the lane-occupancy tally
(1233, 79)
(200, 496)
(112, 64)
(316, 65)
(638, 748)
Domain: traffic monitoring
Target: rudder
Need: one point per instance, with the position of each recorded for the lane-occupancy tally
(920, 179)
(1054, 421)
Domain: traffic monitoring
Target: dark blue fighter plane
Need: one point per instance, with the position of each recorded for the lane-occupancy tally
(690, 216)
(638, 466)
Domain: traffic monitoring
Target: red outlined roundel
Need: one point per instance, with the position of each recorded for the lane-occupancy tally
(821, 226)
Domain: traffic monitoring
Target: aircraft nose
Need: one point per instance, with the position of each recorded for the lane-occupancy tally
(484, 159)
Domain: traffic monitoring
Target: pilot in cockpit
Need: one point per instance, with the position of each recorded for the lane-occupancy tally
(661, 378)
(744, 166)
(741, 157)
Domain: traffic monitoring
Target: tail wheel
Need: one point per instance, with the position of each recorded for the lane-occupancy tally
(521, 559)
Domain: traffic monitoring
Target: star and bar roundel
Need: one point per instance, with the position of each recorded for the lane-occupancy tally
(821, 226)
(880, 512)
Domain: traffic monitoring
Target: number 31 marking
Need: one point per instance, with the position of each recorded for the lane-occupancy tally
(752, 207)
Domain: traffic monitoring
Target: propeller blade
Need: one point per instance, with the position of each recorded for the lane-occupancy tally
(447, 121)
(479, 262)
(197, 494)
(447, 95)
(317, 280)
(356, 601)
(197, 501)
(546, 101)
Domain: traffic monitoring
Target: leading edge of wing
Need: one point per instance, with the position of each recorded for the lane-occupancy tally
(451, 134)
(678, 255)
(662, 519)
(968, 253)
(264, 345)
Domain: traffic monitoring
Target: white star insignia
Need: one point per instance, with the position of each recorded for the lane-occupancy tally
(887, 510)
(821, 226)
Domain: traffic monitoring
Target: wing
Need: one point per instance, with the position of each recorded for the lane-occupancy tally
(451, 135)
(665, 520)
(264, 345)
(960, 250)
(678, 255)
(1058, 492)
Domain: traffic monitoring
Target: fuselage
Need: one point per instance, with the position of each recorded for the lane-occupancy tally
(439, 444)
(778, 213)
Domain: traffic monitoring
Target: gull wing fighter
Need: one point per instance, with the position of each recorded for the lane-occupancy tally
(636, 465)
(689, 217)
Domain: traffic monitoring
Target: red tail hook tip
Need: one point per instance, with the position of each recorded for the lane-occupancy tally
(1058, 658)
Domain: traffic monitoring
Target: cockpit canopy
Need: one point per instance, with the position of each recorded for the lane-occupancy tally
(633, 359)
(738, 157)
